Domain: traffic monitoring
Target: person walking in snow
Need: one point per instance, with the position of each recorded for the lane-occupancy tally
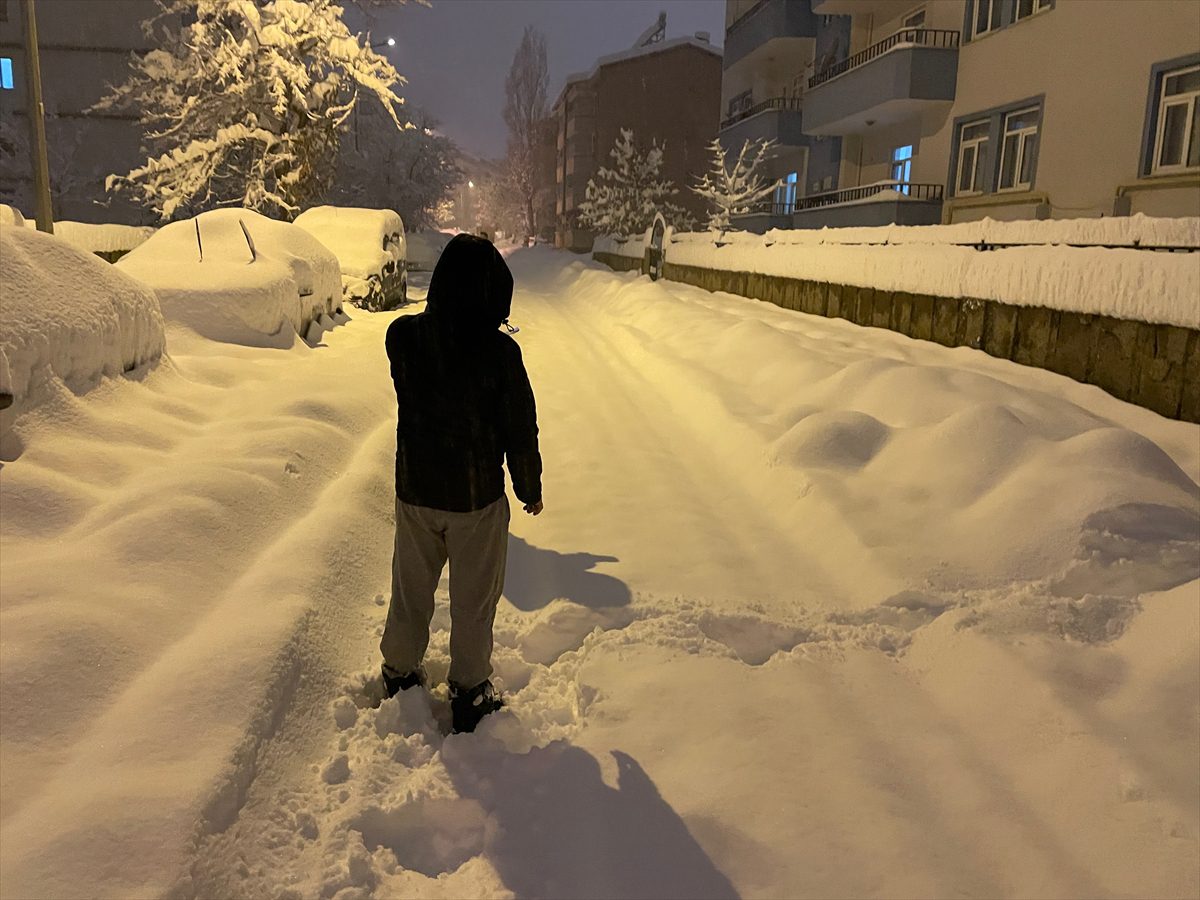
(464, 406)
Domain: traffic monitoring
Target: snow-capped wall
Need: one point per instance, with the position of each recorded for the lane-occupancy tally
(68, 314)
(1130, 284)
(225, 290)
(104, 240)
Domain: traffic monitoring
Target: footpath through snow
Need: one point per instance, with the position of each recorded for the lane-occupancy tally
(814, 610)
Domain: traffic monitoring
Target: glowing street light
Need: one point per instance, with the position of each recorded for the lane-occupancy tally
(390, 42)
(470, 184)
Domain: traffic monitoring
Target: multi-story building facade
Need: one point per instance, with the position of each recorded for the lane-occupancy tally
(667, 91)
(952, 110)
(771, 48)
(84, 46)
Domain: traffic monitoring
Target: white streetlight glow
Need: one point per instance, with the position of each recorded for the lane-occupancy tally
(470, 184)
(391, 42)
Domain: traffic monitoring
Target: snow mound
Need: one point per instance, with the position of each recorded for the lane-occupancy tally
(238, 286)
(369, 245)
(69, 315)
(10, 215)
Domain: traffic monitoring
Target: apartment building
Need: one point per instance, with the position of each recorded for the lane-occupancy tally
(952, 110)
(666, 91)
(84, 47)
(771, 49)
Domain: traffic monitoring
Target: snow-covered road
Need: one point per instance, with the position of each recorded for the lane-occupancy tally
(813, 610)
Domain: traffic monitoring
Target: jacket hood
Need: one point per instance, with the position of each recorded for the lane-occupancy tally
(471, 285)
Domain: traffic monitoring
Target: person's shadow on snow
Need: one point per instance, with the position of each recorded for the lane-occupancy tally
(562, 832)
(535, 576)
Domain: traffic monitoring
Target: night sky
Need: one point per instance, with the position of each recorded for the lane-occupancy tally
(456, 53)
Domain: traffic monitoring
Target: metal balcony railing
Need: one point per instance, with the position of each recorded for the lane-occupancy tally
(922, 37)
(848, 195)
(786, 103)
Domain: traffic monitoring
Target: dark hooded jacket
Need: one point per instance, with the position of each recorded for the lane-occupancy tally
(463, 395)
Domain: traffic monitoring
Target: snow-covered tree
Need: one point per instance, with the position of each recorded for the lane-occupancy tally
(245, 102)
(413, 171)
(734, 190)
(623, 200)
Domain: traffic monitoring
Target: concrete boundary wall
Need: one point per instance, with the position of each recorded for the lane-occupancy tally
(1154, 366)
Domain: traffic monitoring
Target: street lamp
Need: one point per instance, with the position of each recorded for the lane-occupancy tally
(390, 42)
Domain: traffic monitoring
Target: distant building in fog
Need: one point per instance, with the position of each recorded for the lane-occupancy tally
(665, 91)
(85, 46)
(952, 110)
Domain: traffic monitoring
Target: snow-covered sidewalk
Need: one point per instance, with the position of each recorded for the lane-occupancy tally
(814, 610)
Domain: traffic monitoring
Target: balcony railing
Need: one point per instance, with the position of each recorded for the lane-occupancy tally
(849, 195)
(787, 103)
(922, 37)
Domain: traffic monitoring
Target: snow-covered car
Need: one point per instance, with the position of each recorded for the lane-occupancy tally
(425, 247)
(108, 241)
(371, 248)
(68, 315)
(235, 275)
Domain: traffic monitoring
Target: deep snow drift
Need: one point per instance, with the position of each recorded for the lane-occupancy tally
(813, 610)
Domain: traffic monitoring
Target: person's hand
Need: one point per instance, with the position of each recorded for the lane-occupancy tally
(534, 508)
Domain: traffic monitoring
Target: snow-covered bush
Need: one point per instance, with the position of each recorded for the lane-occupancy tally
(246, 104)
(234, 275)
(623, 200)
(370, 248)
(69, 315)
(733, 191)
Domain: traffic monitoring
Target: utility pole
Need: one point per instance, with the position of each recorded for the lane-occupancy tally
(36, 113)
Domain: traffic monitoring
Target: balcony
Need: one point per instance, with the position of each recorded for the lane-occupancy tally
(881, 203)
(776, 119)
(882, 10)
(888, 82)
(768, 21)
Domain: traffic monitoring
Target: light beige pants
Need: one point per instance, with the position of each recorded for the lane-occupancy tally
(476, 544)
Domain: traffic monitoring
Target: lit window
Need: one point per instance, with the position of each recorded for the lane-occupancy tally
(972, 153)
(1018, 150)
(902, 166)
(785, 194)
(1177, 142)
(6, 73)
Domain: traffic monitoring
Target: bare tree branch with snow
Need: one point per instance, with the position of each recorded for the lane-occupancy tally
(245, 103)
(524, 109)
(734, 190)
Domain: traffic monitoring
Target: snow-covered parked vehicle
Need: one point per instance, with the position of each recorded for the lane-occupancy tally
(67, 315)
(371, 248)
(235, 275)
(425, 247)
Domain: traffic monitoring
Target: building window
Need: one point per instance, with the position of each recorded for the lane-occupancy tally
(1177, 140)
(987, 17)
(915, 19)
(902, 166)
(1026, 8)
(785, 194)
(1019, 149)
(972, 155)
(741, 102)
(6, 73)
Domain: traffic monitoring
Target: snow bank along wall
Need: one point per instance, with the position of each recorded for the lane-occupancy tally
(1091, 305)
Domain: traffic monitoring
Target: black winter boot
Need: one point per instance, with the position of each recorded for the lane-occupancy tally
(469, 706)
(394, 684)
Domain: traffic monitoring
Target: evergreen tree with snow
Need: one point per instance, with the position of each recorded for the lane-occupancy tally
(623, 200)
(245, 103)
(734, 190)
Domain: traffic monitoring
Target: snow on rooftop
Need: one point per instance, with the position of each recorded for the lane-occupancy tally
(635, 53)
